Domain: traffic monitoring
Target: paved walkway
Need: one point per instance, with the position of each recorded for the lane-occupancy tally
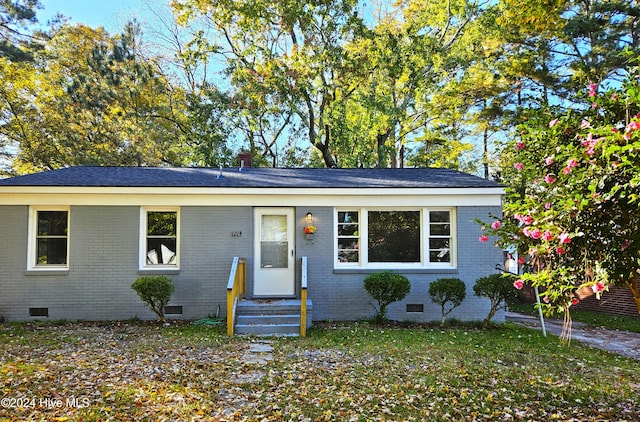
(622, 342)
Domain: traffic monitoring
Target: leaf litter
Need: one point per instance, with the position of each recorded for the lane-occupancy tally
(142, 371)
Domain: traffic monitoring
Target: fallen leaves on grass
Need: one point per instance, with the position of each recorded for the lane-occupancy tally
(137, 371)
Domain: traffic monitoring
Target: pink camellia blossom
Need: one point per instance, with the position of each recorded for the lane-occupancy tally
(547, 235)
(545, 299)
(594, 105)
(520, 145)
(574, 301)
(527, 219)
(518, 217)
(564, 238)
(572, 162)
(484, 238)
(598, 287)
(566, 170)
(550, 179)
(560, 250)
(553, 123)
(518, 166)
(549, 160)
(518, 284)
(496, 225)
(633, 125)
(547, 205)
(536, 234)
(585, 124)
(526, 231)
(591, 152)
(593, 90)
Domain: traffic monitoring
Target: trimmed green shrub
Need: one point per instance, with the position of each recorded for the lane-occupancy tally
(386, 287)
(500, 291)
(447, 290)
(155, 291)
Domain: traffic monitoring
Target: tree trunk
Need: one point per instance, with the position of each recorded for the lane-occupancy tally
(634, 287)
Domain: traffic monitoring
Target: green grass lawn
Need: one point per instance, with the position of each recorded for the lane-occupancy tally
(142, 371)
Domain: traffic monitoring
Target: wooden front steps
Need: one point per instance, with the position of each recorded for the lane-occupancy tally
(270, 317)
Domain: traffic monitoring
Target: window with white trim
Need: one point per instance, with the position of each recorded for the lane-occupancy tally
(48, 247)
(159, 238)
(395, 238)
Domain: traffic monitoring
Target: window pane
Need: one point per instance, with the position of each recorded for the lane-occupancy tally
(52, 251)
(394, 236)
(274, 228)
(439, 256)
(439, 216)
(161, 223)
(440, 229)
(52, 223)
(161, 250)
(439, 250)
(274, 254)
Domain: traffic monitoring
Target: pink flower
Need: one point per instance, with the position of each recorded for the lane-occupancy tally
(536, 234)
(584, 124)
(598, 287)
(594, 105)
(550, 179)
(518, 166)
(521, 260)
(496, 225)
(553, 123)
(545, 299)
(527, 219)
(484, 238)
(574, 301)
(520, 145)
(572, 162)
(566, 170)
(564, 238)
(526, 232)
(518, 284)
(633, 125)
(590, 152)
(593, 90)
(547, 235)
(547, 205)
(560, 250)
(549, 160)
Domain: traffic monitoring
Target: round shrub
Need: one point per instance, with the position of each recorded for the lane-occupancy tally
(498, 288)
(155, 291)
(386, 287)
(447, 290)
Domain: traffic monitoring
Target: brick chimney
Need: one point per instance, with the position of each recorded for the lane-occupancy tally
(245, 159)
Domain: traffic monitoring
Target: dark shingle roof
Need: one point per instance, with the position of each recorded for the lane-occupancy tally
(251, 178)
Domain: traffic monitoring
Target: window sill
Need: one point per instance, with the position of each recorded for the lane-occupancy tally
(48, 272)
(158, 271)
(363, 270)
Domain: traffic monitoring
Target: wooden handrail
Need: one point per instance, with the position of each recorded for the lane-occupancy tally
(303, 298)
(236, 288)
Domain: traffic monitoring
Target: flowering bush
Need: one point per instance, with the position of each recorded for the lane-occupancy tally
(572, 203)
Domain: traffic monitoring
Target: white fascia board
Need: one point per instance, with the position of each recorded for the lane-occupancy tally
(132, 196)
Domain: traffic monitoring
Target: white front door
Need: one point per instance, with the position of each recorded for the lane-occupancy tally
(274, 269)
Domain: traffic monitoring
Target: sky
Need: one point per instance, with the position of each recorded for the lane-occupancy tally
(111, 14)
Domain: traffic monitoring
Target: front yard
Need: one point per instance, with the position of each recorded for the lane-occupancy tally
(137, 370)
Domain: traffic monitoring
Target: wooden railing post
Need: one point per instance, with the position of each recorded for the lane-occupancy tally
(236, 288)
(303, 298)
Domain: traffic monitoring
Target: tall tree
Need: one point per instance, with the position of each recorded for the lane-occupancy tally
(285, 58)
(95, 99)
(16, 37)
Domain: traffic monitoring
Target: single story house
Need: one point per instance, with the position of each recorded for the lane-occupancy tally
(76, 238)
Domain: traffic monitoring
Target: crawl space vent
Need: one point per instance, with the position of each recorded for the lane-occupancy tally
(173, 310)
(415, 307)
(39, 312)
